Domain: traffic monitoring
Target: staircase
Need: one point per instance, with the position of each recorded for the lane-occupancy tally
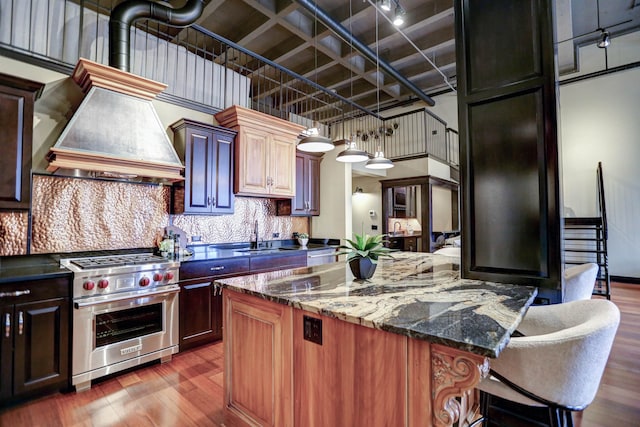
(585, 240)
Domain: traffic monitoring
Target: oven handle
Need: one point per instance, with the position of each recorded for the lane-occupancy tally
(174, 289)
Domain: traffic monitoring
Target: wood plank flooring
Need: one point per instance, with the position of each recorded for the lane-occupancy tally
(188, 390)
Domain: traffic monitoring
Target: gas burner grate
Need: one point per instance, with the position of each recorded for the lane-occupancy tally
(117, 261)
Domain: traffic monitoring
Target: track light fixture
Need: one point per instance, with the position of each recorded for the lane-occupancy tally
(605, 39)
(385, 5)
(398, 18)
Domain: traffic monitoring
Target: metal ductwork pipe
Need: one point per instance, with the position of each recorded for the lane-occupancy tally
(363, 49)
(124, 15)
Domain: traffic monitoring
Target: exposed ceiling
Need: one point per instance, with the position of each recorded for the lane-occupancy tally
(423, 52)
(283, 31)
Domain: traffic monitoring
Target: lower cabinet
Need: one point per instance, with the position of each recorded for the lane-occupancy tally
(34, 346)
(200, 314)
(201, 299)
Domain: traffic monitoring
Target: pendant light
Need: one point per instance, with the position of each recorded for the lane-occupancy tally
(351, 154)
(378, 161)
(313, 142)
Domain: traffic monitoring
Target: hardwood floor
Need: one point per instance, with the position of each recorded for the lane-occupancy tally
(188, 391)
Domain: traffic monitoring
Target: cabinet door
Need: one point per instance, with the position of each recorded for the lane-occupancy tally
(411, 244)
(299, 202)
(198, 161)
(17, 98)
(222, 174)
(258, 351)
(41, 337)
(282, 173)
(196, 314)
(252, 169)
(313, 179)
(6, 352)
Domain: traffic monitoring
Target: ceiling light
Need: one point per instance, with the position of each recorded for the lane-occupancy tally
(385, 5)
(605, 40)
(398, 19)
(379, 162)
(315, 144)
(352, 154)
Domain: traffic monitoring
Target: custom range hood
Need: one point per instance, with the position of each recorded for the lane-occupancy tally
(116, 132)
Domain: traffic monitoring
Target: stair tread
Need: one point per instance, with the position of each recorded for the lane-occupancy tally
(596, 220)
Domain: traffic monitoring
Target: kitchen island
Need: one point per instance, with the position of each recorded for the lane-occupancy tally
(312, 346)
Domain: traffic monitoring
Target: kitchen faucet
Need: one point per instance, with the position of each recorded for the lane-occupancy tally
(254, 245)
(394, 227)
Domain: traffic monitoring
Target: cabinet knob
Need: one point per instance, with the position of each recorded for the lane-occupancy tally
(209, 201)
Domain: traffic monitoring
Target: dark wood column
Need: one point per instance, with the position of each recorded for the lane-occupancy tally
(508, 142)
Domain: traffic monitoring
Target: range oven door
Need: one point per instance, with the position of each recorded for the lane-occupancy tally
(111, 333)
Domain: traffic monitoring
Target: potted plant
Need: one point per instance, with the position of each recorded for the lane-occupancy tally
(303, 239)
(363, 253)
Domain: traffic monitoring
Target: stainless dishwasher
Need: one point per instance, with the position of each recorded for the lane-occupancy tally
(321, 256)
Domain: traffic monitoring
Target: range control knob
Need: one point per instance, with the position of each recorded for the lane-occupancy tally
(145, 281)
(103, 283)
(168, 275)
(157, 277)
(88, 285)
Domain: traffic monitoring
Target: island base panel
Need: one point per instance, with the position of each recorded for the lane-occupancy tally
(359, 376)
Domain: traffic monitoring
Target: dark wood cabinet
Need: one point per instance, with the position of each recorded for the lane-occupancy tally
(306, 201)
(509, 164)
(279, 261)
(17, 99)
(207, 152)
(34, 346)
(405, 243)
(201, 299)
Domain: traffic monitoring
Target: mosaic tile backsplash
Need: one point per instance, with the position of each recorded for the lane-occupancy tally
(76, 214)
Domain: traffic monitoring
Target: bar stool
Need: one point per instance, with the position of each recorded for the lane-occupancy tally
(579, 281)
(559, 360)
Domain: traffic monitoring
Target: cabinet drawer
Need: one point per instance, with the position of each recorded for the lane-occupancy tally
(214, 268)
(34, 290)
(278, 262)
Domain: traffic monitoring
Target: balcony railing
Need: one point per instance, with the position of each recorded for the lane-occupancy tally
(206, 72)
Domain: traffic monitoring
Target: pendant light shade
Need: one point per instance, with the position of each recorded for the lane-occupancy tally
(315, 144)
(379, 162)
(352, 154)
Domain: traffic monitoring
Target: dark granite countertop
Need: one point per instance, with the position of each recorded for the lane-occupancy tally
(30, 267)
(419, 295)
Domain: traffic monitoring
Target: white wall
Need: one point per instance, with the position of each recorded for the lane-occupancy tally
(600, 121)
(362, 203)
(335, 199)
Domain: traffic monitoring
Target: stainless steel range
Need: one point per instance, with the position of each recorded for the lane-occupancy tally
(125, 313)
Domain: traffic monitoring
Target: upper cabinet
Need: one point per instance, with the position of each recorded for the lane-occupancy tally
(207, 152)
(265, 152)
(17, 99)
(306, 202)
